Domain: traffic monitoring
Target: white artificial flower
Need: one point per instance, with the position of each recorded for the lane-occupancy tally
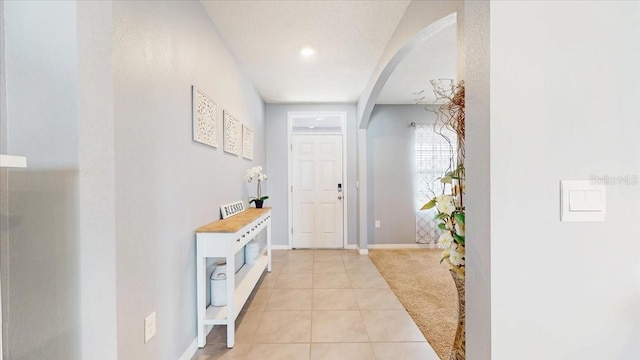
(259, 168)
(444, 198)
(248, 177)
(445, 240)
(262, 177)
(456, 258)
(445, 204)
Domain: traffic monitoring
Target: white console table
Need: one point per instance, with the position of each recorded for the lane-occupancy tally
(224, 238)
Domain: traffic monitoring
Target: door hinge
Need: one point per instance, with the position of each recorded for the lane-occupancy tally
(292, 230)
(291, 188)
(291, 147)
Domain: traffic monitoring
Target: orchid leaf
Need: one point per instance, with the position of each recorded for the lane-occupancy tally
(440, 216)
(459, 239)
(429, 205)
(459, 218)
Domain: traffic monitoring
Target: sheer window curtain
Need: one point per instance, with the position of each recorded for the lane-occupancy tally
(433, 159)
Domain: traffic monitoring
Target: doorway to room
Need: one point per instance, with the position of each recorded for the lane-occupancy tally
(317, 169)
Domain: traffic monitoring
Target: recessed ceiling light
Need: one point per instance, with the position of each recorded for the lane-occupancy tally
(311, 127)
(307, 51)
(319, 119)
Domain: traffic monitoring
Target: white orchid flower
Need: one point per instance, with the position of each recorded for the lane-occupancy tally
(445, 204)
(456, 258)
(445, 240)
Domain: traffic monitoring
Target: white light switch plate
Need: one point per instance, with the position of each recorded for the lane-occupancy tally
(582, 201)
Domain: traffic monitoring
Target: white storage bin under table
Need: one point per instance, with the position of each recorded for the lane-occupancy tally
(223, 239)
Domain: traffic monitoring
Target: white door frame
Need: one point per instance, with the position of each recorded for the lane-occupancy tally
(343, 121)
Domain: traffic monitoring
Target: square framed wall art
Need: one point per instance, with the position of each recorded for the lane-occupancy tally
(204, 118)
(247, 142)
(232, 134)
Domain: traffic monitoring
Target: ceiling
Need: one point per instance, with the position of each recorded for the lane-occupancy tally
(433, 59)
(348, 37)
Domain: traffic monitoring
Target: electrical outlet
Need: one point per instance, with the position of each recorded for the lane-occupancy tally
(149, 327)
(377, 223)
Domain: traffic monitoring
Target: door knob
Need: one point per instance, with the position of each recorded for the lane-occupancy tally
(339, 197)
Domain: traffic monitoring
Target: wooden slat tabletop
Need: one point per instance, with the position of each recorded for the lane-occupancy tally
(234, 223)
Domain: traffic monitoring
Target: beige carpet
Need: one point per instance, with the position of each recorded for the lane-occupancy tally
(426, 289)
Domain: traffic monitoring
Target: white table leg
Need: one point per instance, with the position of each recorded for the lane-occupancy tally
(231, 287)
(269, 245)
(201, 294)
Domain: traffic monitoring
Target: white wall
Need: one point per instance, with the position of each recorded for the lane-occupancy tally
(391, 172)
(166, 185)
(277, 152)
(40, 241)
(96, 181)
(102, 223)
(564, 105)
(478, 173)
(4, 189)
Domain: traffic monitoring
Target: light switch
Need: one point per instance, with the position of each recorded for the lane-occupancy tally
(582, 201)
(577, 200)
(593, 200)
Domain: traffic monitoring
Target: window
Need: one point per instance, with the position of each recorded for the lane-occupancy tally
(434, 157)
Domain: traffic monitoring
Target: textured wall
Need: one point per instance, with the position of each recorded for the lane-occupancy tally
(391, 172)
(165, 184)
(96, 184)
(40, 241)
(478, 203)
(564, 106)
(4, 189)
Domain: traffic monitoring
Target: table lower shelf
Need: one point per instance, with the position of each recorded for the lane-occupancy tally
(246, 280)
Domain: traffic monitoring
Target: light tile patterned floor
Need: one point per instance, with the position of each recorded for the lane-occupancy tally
(321, 305)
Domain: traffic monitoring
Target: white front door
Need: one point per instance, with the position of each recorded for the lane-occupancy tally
(317, 198)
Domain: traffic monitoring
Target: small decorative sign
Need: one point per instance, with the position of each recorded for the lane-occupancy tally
(231, 209)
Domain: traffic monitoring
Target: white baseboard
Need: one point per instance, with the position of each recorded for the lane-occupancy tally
(400, 246)
(286, 247)
(362, 251)
(191, 350)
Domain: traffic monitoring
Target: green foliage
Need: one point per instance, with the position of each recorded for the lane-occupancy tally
(459, 216)
(429, 205)
(262, 198)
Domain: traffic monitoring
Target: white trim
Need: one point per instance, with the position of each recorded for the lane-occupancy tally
(400, 246)
(343, 116)
(351, 247)
(9, 161)
(363, 251)
(191, 350)
(280, 247)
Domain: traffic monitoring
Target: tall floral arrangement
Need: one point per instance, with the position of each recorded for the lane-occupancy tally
(257, 174)
(450, 203)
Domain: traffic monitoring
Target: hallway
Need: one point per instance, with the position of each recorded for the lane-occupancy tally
(321, 304)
